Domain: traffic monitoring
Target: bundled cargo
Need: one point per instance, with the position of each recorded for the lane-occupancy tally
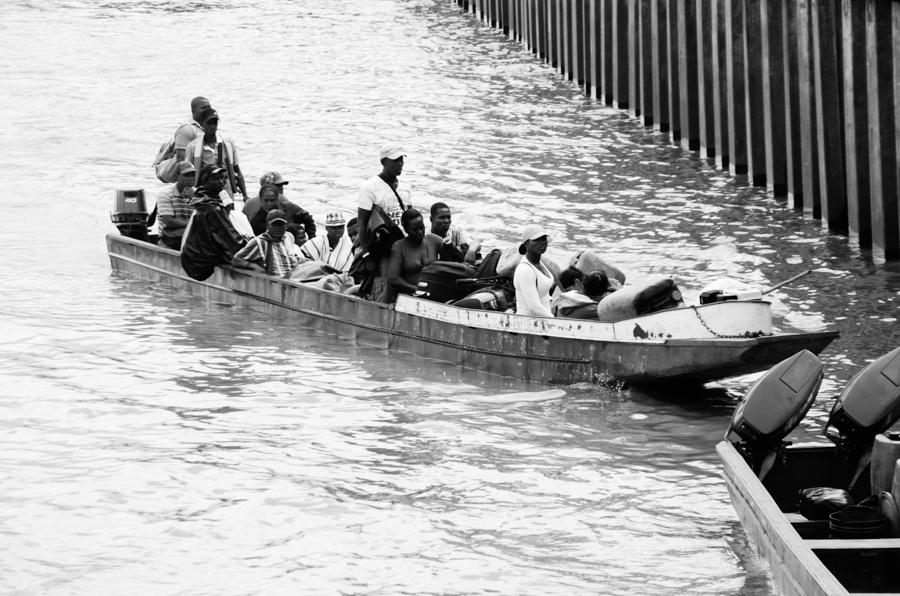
(648, 296)
(588, 262)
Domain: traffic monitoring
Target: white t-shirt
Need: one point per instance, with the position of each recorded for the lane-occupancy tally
(376, 191)
(532, 289)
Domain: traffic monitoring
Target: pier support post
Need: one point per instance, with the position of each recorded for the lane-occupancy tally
(659, 30)
(688, 90)
(753, 94)
(856, 117)
(773, 72)
(675, 122)
(829, 115)
(735, 96)
(645, 90)
(720, 83)
(705, 79)
(882, 138)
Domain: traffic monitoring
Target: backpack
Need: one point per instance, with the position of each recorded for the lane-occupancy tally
(166, 161)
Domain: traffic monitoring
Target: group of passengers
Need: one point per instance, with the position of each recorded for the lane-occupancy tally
(380, 253)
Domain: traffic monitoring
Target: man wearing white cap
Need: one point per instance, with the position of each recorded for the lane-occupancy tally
(334, 248)
(383, 196)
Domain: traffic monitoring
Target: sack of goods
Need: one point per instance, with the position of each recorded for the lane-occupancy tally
(166, 162)
(438, 281)
(648, 296)
(588, 262)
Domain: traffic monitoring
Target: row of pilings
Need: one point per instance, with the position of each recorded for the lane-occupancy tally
(801, 96)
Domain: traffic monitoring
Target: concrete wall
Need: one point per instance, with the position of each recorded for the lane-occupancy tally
(801, 96)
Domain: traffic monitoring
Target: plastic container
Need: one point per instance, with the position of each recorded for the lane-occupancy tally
(885, 453)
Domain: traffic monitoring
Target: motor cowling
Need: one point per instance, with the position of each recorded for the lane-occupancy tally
(776, 402)
(869, 404)
(130, 214)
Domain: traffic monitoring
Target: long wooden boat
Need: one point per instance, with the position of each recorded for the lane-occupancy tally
(803, 561)
(690, 344)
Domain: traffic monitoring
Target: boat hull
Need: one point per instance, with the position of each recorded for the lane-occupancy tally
(550, 358)
(803, 559)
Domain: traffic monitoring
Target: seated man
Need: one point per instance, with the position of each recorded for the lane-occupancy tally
(572, 300)
(454, 237)
(174, 206)
(335, 248)
(353, 229)
(273, 252)
(256, 208)
(210, 238)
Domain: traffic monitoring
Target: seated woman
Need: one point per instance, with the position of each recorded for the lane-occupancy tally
(409, 256)
(597, 285)
(532, 280)
(571, 300)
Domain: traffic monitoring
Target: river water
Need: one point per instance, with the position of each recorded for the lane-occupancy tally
(155, 443)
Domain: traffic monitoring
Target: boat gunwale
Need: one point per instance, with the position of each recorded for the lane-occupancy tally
(798, 572)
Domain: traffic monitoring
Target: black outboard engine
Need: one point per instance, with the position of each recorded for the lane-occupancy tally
(868, 405)
(130, 214)
(773, 407)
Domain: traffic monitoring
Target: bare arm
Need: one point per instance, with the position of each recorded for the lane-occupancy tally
(395, 260)
(240, 263)
(171, 222)
(362, 216)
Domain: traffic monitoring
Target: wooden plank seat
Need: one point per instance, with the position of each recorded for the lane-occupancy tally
(854, 544)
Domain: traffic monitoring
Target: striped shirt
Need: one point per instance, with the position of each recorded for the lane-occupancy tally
(339, 257)
(173, 204)
(285, 255)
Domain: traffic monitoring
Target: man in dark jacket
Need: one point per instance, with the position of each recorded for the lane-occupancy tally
(256, 208)
(210, 238)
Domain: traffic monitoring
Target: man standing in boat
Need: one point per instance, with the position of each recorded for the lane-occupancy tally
(383, 195)
(382, 200)
(213, 149)
(189, 131)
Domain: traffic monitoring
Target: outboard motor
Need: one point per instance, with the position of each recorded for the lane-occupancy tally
(773, 407)
(130, 214)
(868, 405)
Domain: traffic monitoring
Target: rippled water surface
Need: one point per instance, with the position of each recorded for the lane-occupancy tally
(155, 443)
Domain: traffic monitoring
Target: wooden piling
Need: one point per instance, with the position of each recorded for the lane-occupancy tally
(705, 79)
(830, 146)
(687, 74)
(882, 135)
(645, 49)
(773, 96)
(719, 83)
(753, 94)
(856, 118)
(734, 86)
(659, 29)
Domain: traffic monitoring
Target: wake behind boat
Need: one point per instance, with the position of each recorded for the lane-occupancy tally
(690, 344)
